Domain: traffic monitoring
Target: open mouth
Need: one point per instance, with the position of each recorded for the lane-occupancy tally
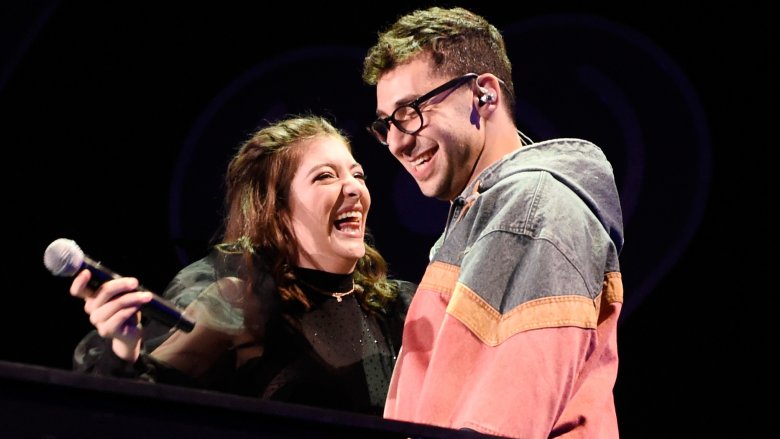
(349, 221)
(422, 159)
(418, 165)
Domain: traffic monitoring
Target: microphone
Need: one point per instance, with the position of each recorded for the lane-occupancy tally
(63, 257)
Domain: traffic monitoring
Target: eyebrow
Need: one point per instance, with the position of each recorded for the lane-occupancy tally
(398, 103)
(331, 165)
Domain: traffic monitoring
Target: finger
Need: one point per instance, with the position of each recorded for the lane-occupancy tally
(109, 291)
(100, 311)
(78, 288)
(123, 324)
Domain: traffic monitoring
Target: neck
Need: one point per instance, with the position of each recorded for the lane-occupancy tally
(324, 282)
(501, 138)
(326, 262)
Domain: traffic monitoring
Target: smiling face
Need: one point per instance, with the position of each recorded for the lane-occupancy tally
(443, 154)
(329, 203)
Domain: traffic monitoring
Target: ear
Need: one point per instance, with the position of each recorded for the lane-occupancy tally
(487, 92)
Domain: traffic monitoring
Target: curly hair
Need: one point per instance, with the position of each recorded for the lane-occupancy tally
(458, 41)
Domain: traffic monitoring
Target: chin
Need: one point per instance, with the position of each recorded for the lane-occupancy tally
(428, 187)
(355, 253)
(429, 191)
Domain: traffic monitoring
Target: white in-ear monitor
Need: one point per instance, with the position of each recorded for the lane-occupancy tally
(486, 97)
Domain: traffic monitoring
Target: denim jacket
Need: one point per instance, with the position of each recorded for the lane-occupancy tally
(513, 329)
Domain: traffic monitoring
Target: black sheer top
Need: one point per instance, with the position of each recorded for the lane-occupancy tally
(337, 354)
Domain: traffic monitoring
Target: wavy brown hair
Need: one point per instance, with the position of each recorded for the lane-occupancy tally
(258, 216)
(457, 40)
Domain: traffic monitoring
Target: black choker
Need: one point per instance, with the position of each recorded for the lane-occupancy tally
(338, 296)
(329, 284)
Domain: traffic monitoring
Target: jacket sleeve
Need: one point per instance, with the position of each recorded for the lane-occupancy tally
(94, 354)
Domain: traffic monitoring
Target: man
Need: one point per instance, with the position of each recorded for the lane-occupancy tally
(513, 329)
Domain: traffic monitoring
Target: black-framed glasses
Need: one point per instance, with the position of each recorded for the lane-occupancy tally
(408, 118)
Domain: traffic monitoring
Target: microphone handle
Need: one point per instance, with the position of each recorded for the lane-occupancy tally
(159, 308)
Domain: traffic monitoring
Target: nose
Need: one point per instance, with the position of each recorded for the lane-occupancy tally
(353, 187)
(356, 189)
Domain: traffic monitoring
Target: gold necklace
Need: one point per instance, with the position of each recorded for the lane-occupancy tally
(338, 296)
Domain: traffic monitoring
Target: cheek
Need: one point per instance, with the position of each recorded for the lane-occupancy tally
(312, 212)
(366, 199)
(300, 215)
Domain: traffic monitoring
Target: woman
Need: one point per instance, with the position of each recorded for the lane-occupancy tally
(291, 305)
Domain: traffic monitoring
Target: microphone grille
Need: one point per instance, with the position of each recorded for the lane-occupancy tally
(63, 257)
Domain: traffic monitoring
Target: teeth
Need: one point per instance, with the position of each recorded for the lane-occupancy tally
(351, 214)
(422, 159)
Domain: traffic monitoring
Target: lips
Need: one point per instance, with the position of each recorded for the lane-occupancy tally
(420, 165)
(423, 158)
(349, 221)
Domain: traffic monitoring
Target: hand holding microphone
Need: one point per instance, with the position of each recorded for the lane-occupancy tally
(116, 298)
(113, 310)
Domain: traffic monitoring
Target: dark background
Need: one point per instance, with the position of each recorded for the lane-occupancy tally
(117, 121)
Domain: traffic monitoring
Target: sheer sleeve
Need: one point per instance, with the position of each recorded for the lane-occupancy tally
(93, 354)
(211, 291)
